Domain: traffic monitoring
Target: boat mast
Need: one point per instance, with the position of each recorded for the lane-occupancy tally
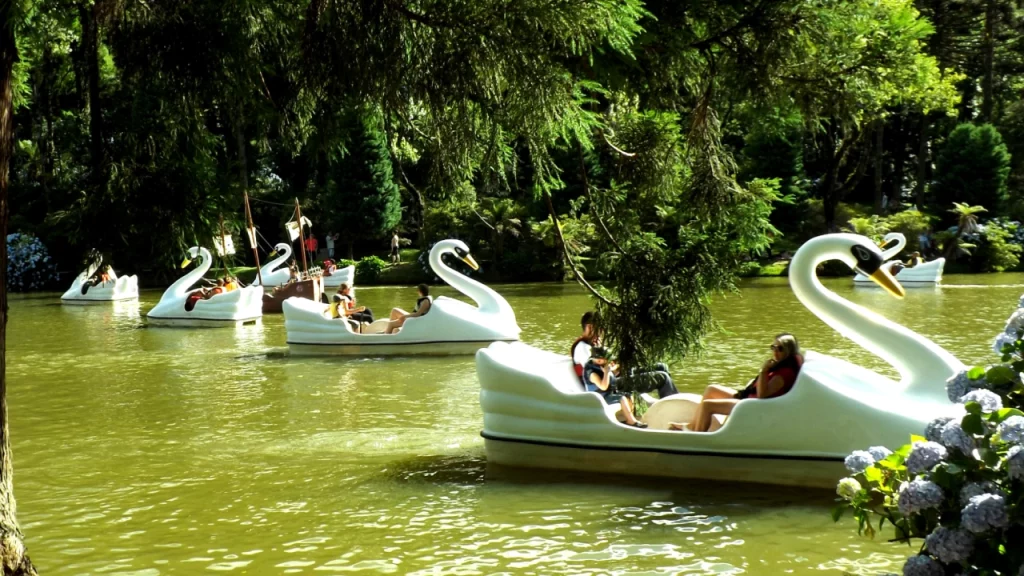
(252, 236)
(302, 237)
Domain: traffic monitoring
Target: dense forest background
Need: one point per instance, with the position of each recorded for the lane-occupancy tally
(139, 124)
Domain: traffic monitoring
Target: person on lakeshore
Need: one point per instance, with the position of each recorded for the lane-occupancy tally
(777, 377)
(311, 247)
(330, 240)
(423, 303)
(396, 257)
(580, 348)
(599, 376)
(348, 305)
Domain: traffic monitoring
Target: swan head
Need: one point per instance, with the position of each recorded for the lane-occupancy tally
(867, 259)
(892, 244)
(193, 252)
(458, 247)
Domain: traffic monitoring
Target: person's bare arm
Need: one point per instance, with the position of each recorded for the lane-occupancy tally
(601, 383)
(421, 310)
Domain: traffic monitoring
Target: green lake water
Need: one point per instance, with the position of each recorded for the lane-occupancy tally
(150, 451)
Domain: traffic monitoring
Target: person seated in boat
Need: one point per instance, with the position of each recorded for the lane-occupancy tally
(777, 376)
(329, 267)
(399, 316)
(347, 306)
(217, 289)
(580, 348)
(293, 273)
(230, 283)
(599, 376)
(915, 259)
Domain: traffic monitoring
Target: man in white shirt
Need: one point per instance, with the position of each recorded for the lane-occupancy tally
(580, 349)
(395, 256)
(331, 238)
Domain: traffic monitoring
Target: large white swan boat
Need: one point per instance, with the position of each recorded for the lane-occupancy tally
(450, 327)
(113, 288)
(239, 306)
(925, 273)
(275, 272)
(537, 415)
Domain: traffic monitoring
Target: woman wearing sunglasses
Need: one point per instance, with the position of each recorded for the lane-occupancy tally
(777, 376)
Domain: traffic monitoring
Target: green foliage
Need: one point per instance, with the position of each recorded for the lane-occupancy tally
(363, 201)
(344, 263)
(972, 167)
(369, 269)
(996, 250)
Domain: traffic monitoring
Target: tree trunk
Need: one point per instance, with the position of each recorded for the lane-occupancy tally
(14, 559)
(91, 53)
(923, 163)
(828, 193)
(988, 47)
(879, 168)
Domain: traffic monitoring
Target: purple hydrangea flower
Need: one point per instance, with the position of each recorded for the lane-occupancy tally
(957, 386)
(1015, 323)
(918, 495)
(933, 432)
(984, 513)
(924, 455)
(989, 401)
(1001, 340)
(859, 461)
(1015, 463)
(1011, 429)
(922, 566)
(950, 546)
(972, 489)
(954, 438)
(879, 453)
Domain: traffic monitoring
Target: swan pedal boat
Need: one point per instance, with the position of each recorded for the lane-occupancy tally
(116, 288)
(924, 273)
(537, 414)
(243, 305)
(450, 327)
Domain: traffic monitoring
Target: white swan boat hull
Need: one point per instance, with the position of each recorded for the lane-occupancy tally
(926, 273)
(537, 415)
(443, 331)
(450, 327)
(228, 309)
(116, 289)
(346, 275)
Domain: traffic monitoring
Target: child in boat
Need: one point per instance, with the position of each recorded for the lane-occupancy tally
(777, 376)
(347, 306)
(598, 374)
(399, 316)
(580, 348)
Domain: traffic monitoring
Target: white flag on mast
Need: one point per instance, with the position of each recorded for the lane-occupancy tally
(293, 227)
(225, 247)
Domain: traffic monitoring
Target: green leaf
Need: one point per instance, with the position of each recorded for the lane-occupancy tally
(1000, 415)
(989, 457)
(837, 512)
(974, 409)
(976, 372)
(873, 474)
(972, 422)
(914, 438)
(999, 375)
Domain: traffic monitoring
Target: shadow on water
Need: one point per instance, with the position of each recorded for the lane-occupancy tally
(461, 469)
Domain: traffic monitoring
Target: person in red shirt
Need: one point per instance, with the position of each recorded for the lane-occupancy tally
(777, 377)
(312, 246)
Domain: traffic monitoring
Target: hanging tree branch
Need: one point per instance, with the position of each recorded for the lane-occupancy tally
(568, 257)
(593, 204)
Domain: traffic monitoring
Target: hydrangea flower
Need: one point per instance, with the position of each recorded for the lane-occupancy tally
(984, 513)
(989, 401)
(957, 386)
(1011, 429)
(848, 488)
(972, 489)
(879, 453)
(1001, 340)
(933, 432)
(924, 455)
(28, 263)
(859, 461)
(919, 494)
(1015, 323)
(950, 546)
(954, 438)
(1015, 463)
(922, 566)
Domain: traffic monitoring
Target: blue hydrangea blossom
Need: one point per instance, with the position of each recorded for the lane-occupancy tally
(1015, 463)
(1011, 429)
(984, 513)
(950, 546)
(954, 438)
(922, 566)
(879, 453)
(989, 401)
(972, 489)
(859, 461)
(919, 494)
(933, 432)
(924, 455)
